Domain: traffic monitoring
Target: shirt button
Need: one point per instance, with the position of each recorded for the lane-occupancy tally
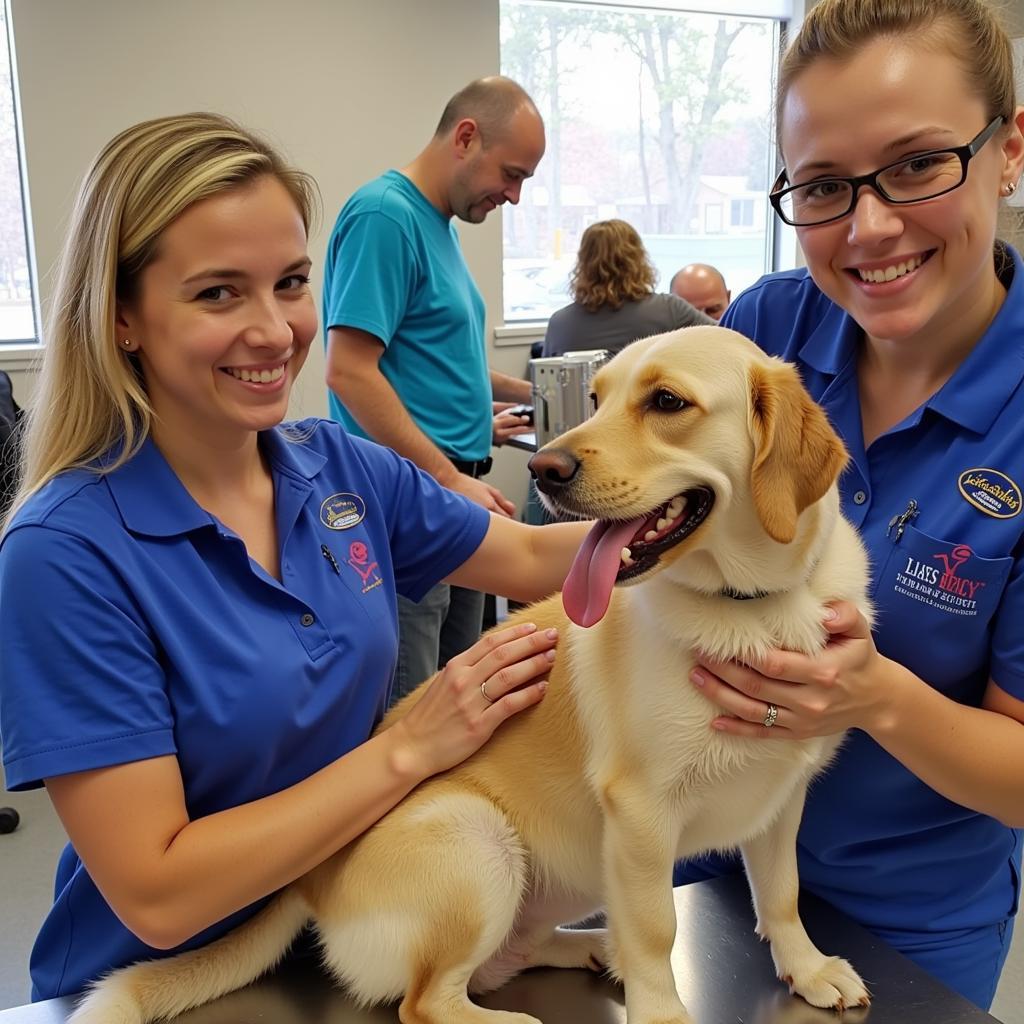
(307, 619)
(859, 498)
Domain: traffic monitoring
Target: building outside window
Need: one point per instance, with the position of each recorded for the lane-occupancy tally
(659, 117)
(742, 213)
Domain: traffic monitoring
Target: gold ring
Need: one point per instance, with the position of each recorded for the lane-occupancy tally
(770, 716)
(483, 690)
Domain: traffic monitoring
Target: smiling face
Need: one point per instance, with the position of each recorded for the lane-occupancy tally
(885, 104)
(223, 316)
(491, 172)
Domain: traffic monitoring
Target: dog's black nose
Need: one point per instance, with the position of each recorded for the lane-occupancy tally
(553, 469)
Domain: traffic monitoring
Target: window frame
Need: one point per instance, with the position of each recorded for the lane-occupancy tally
(22, 353)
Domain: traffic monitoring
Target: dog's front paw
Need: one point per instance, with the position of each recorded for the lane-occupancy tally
(834, 985)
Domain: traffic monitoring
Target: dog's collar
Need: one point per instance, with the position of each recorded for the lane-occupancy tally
(756, 595)
(738, 595)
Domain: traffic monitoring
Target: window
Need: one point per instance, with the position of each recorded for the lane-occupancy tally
(661, 118)
(17, 307)
(742, 213)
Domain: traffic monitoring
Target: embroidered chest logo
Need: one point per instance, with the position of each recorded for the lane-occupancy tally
(342, 511)
(359, 559)
(991, 492)
(939, 582)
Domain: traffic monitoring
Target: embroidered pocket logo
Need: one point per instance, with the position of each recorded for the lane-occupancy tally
(991, 492)
(342, 511)
(944, 588)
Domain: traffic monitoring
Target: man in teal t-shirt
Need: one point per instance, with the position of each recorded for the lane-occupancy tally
(404, 321)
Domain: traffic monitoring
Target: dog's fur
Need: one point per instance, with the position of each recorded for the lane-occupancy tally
(584, 801)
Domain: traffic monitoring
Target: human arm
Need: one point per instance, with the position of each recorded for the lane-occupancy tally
(509, 389)
(971, 755)
(522, 562)
(168, 876)
(354, 375)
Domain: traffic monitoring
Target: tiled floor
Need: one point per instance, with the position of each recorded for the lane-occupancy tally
(28, 855)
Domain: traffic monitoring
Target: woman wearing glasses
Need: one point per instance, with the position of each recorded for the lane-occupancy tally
(901, 137)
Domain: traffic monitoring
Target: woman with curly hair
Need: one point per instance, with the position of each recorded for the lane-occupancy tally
(614, 297)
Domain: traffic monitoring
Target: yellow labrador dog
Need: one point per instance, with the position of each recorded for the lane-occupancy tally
(712, 475)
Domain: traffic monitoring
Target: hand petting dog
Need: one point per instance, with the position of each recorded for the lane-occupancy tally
(502, 673)
(844, 687)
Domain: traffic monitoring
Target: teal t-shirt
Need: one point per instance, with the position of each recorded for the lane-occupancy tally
(395, 269)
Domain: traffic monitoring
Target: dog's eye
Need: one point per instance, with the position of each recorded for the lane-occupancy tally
(666, 401)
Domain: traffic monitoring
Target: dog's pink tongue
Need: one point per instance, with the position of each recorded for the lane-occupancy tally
(588, 587)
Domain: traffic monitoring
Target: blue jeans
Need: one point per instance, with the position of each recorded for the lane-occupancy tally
(967, 960)
(430, 632)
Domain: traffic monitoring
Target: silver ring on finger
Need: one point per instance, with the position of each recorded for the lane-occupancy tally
(483, 690)
(770, 716)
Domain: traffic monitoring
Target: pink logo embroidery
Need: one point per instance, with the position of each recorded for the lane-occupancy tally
(359, 559)
(950, 581)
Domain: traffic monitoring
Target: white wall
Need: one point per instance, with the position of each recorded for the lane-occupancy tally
(347, 88)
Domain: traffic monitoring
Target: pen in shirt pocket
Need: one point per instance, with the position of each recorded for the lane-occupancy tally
(329, 555)
(900, 520)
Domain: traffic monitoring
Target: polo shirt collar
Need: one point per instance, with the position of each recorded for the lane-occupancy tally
(983, 383)
(833, 343)
(150, 497)
(979, 388)
(153, 502)
(286, 452)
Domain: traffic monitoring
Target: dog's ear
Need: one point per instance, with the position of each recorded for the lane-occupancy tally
(797, 454)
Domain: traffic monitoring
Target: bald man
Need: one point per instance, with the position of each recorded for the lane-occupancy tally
(404, 321)
(703, 287)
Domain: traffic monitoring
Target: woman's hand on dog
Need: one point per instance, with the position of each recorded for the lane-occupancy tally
(842, 688)
(454, 717)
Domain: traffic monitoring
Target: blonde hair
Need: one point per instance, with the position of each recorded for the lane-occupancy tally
(970, 29)
(612, 266)
(91, 396)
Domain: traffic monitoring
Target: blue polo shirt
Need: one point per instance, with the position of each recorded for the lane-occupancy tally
(395, 269)
(876, 841)
(133, 624)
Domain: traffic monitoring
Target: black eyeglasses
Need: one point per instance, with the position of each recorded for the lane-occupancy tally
(913, 180)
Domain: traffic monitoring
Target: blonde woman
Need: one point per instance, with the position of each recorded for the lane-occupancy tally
(908, 325)
(614, 301)
(197, 604)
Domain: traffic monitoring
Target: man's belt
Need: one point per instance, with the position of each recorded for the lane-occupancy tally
(477, 469)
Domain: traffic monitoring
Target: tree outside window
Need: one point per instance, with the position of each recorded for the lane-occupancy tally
(660, 118)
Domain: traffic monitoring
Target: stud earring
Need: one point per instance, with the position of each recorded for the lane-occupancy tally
(127, 342)
(1010, 187)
